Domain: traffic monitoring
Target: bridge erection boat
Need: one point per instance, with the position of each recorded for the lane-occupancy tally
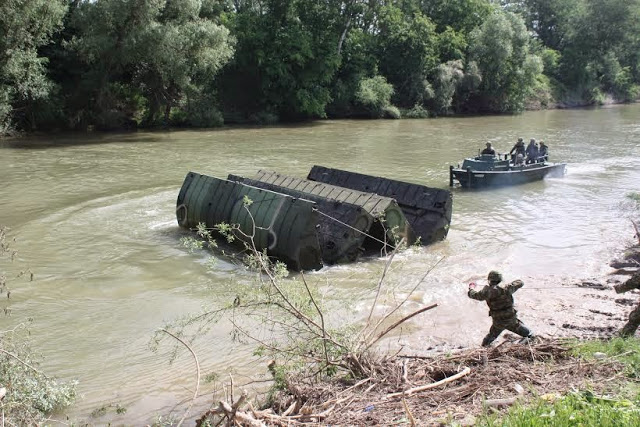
(490, 171)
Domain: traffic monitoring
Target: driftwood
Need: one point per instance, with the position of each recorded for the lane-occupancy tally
(409, 392)
(412, 420)
(500, 403)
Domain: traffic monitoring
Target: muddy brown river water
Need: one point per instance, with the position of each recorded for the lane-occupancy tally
(94, 219)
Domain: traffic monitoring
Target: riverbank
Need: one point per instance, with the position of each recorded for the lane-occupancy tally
(247, 124)
(461, 388)
(588, 376)
(504, 384)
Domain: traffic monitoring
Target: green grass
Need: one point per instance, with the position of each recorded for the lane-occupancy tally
(575, 409)
(626, 351)
(584, 408)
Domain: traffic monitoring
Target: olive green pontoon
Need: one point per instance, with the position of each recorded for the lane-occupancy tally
(384, 208)
(284, 225)
(342, 226)
(428, 210)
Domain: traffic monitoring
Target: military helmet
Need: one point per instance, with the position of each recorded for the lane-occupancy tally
(494, 276)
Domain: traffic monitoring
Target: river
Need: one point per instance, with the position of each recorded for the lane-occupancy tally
(93, 217)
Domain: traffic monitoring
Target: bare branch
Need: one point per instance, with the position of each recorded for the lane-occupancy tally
(399, 322)
(398, 306)
(195, 358)
(324, 331)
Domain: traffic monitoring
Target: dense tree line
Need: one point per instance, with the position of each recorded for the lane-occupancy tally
(109, 64)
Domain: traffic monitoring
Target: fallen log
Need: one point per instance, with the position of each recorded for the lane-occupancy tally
(418, 389)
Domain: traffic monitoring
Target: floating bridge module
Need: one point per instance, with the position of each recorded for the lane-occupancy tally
(332, 217)
(284, 225)
(428, 210)
(391, 222)
(342, 227)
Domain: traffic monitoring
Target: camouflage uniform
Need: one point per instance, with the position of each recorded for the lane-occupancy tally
(629, 329)
(500, 302)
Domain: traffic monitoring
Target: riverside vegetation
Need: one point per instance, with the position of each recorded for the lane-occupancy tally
(120, 64)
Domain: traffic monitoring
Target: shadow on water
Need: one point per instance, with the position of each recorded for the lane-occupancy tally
(140, 136)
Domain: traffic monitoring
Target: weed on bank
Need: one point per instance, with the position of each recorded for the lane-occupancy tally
(620, 407)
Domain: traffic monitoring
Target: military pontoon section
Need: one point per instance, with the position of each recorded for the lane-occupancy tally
(428, 210)
(342, 226)
(285, 226)
(391, 223)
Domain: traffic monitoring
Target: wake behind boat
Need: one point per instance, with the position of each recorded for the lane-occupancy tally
(487, 170)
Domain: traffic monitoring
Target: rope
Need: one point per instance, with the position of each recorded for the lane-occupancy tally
(355, 229)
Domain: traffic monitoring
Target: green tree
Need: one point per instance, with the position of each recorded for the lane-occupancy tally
(509, 72)
(145, 57)
(407, 53)
(374, 94)
(602, 51)
(551, 20)
(463, 16)
(25, 26)
(286, 58)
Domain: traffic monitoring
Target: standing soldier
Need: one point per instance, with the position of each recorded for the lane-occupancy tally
(518, 148)
(500, 302)
(543, 153)
(634, 317)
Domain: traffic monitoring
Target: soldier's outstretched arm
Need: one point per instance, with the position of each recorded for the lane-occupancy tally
(480, 295)
(515, 285)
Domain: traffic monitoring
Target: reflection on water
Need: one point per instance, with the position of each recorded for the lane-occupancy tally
(94, 219)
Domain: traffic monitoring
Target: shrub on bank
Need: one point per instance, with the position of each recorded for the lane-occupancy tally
(417, 112)
(391, 112)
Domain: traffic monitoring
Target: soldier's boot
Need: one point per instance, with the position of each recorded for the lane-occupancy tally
(628, 330)
(486, 342)
(491, 336)
(524, 332)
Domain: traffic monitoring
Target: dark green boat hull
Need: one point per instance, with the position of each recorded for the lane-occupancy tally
(514, 176)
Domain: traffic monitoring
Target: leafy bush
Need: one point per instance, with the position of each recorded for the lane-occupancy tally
(200, 112)
(264, 118)
(5, 110)
(374, 94)
(597, 96)
(391, 112)
(31, 395)
(447, 78)
(634, 196)
(417, 112)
